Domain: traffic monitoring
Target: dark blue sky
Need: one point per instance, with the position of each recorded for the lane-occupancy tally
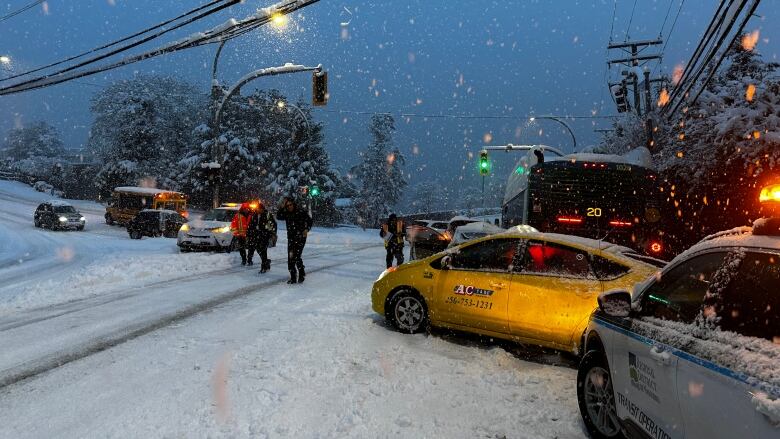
(510, 58)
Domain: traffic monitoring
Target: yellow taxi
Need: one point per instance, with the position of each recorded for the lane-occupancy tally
(535, 288)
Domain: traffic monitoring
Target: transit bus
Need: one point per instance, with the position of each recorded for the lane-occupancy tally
(600, 196)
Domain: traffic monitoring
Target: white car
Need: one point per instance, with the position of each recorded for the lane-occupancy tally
(211, 232)
(695, 353)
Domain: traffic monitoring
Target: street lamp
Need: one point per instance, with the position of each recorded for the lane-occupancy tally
(216, 165)
(5, 59)
(565, 125)
(279, 20)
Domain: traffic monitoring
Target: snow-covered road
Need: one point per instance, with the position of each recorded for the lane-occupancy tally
(105, 336)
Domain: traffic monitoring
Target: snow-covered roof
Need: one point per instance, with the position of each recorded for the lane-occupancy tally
(480, 226)
(518, 181)
(570, 239)
(59, 203)
(736, 237)
(143, 190)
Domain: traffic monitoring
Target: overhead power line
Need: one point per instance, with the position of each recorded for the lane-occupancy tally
(225, 31)
(114, 43)
(24, 8)
(470, 116)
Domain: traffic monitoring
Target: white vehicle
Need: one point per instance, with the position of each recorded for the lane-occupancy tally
(695, 353)
(211, 232)
(470, 231)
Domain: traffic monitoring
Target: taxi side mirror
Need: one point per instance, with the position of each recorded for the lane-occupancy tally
(615, 303)
(445, 262)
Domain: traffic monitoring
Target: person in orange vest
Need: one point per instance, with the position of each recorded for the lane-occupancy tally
(239, 226)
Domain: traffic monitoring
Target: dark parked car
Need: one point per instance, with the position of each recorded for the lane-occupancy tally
(153, 222)
(58, 214)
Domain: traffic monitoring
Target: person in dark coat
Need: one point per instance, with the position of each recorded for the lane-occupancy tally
(393, 232)
(299, 223)
(260, 234)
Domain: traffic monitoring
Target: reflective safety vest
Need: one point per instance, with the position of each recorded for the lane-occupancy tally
(239, 225)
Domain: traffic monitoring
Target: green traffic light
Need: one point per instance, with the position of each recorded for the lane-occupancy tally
(483, 164)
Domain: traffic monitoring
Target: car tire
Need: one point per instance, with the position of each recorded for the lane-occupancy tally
(109, 220)
(134, 234)
(596, 397)
(408, 312)
(37, 223)
(183, 249)
(80, 228)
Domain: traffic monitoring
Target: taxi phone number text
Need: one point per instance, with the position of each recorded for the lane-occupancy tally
(467, 301)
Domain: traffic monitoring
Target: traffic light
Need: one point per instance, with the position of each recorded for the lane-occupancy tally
(484, 163)
(314, 191)
(620, 92)
(319, 93)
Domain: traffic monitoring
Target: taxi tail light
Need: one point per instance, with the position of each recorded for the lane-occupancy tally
(569, 220)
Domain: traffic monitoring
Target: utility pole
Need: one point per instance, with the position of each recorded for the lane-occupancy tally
(632, 62)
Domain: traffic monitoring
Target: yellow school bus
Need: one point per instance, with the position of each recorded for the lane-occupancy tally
(127, 201)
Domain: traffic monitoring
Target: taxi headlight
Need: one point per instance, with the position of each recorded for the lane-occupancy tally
(184, 228)
(63, 219)
(386, 272)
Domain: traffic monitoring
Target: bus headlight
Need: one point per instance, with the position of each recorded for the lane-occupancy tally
(63, 219)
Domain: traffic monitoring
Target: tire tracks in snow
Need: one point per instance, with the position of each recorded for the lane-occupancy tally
(116, 337)
(128, 293)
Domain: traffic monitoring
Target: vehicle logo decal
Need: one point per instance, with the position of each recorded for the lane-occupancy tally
(642, 377)
(648, 423)
(470, 290)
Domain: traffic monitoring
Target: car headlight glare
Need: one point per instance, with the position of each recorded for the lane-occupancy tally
(82, 219)
(184, 227)
(63, 219)
(221, 229)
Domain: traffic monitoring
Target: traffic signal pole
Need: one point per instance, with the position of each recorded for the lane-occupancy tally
(215, 167)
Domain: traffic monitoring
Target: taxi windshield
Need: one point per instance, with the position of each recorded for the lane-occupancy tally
(224, 215)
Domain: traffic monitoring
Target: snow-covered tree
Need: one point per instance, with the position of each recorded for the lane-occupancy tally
(142, 128)
(715, 154)
(381, 179)
(270, 149)
(38, 139)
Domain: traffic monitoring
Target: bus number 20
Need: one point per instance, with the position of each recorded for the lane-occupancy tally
(594, 211)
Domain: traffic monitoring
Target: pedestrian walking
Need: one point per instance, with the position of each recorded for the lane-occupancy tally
(299, 223)
(260, 235)
(393, 232)
(239, 227)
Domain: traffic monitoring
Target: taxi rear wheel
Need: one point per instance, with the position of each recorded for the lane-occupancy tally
(596, 397)
(408, 312)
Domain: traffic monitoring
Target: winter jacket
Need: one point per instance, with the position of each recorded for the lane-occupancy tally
(239, 225)
(298, 223)
(396, 232)
(262, 227)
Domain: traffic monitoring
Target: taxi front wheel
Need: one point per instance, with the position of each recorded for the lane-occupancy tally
(596, 397)
(408, 313)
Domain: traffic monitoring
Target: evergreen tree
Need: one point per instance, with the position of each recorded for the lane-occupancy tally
(38, 139)
(381, 179)
(142, 128)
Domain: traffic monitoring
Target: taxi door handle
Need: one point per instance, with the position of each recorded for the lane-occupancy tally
(498, 285)
(661, 356)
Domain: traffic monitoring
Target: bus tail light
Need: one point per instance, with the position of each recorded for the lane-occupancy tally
(619, 223)
(569, 220)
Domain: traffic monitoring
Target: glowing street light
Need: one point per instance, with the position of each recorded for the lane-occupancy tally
(279, 20)
(280, 104)
(5, 59)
